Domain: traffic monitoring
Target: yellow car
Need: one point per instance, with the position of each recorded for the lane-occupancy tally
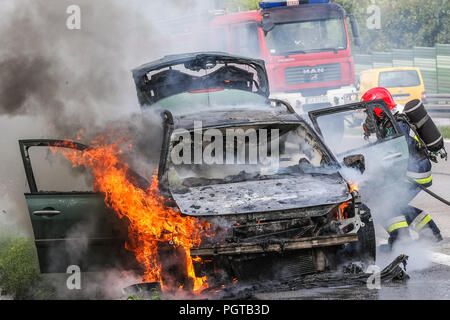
(404, 83)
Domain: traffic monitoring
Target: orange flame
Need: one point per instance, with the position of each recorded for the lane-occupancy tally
(353, 186)
(150, 221)
(341, 210)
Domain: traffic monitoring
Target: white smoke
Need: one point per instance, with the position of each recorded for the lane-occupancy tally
(56, 81)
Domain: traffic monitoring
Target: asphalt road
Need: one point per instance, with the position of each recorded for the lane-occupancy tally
(428, 264)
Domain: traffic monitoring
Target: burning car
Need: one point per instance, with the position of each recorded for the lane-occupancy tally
(292, 215)
(261, 215)
(266, 190)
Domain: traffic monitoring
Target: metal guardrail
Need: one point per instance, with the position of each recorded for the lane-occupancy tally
(438, 105)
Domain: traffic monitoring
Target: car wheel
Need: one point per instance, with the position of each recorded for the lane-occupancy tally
(365, 249)
(366, 235)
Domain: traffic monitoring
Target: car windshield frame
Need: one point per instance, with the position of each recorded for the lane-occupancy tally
(328, 164)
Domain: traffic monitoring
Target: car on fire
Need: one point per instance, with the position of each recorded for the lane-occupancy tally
(269, 220)
(292, 214)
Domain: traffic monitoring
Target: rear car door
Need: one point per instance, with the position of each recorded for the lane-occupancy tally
(71, 223)
(386, 153)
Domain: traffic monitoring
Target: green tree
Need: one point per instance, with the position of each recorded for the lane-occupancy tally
(405, 23)
(242, 5)
(418, 23)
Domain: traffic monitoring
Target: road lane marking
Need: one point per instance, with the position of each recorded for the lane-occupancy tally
(441, 173)
(439, 258)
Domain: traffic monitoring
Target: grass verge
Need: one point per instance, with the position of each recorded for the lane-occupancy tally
(445, 132)
(19, 271)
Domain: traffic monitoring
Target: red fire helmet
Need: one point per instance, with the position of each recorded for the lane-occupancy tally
(379, 93)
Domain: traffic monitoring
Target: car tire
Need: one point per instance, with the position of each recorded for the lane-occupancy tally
(365, 249)
(366, 236)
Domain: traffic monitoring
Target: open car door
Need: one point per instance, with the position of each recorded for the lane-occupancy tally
(386, 153)
(70, 227)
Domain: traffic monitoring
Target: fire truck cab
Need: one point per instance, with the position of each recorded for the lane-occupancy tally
(305, 45)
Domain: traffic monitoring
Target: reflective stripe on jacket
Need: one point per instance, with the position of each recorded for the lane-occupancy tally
(420, 221)
(396, 223)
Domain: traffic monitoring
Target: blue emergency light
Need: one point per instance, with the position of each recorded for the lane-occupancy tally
(267, 5)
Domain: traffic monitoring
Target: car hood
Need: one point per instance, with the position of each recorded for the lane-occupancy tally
(262, 195)
(194, 61)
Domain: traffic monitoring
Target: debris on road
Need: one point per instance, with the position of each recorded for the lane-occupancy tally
(351, 275)
(394, 272)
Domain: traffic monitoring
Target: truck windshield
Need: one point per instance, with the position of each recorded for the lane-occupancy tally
(307, 36)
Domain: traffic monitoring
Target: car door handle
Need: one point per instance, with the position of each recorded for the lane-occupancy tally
(392, 156)
(48, 213)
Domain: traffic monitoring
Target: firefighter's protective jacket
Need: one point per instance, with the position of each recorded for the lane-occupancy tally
(419, 166)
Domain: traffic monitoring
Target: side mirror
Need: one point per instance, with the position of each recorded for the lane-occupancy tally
(355, 30)
(281, 103)
(356, 161)
(267, 25)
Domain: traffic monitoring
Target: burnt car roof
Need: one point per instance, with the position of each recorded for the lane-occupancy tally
(198, 60)
(231, 117)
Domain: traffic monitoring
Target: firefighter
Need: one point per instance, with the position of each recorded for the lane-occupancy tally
(419, 169)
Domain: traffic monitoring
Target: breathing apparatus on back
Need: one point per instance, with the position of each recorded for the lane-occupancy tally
(429, 137)
(430, 140)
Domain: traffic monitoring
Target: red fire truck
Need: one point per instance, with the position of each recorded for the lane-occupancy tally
(305, 45)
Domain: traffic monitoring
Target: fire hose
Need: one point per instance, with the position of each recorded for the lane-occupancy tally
(431, 193)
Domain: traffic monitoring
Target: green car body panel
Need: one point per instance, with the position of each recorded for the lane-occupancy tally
(73, 228)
